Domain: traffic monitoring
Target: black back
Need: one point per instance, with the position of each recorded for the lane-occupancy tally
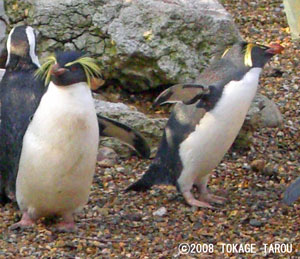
(20, 95)
(167, 166)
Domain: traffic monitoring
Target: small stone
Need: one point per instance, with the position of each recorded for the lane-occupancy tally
(246, 166)
(280, 134)
(255, 223)
(160, 212)
(258, 165)
(107, 157)
(269, 170)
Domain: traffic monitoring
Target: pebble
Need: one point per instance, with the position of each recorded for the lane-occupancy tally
(246, 166)
(258, 165)
(107, 157)
(160, 212)
(255, 223)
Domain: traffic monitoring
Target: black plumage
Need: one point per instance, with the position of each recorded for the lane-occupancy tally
(202, 97)
(20, 94)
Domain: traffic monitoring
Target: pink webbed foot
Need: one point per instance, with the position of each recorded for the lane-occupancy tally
(213, 198)
(24, 223)
(193, 202)
(66, 225)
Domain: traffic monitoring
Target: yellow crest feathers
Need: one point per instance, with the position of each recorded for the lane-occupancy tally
(225, 52)
(247, 57)
(90, 67)
(44, 71)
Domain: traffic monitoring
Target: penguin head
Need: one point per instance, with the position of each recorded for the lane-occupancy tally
(250, 54)
(71, 67)
(65, 72)
(21, 48)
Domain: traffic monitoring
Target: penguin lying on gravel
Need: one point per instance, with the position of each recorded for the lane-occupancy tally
(205, 122)
(60, 146)
(292, 193)
(20, 94)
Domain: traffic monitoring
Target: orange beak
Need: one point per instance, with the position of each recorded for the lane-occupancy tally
(275, 48)
(57, 70)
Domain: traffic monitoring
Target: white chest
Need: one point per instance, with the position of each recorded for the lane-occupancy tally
(205, 147)
(59, 152)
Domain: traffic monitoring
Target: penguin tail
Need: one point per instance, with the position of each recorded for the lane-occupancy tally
(150, 178)
(139, 186)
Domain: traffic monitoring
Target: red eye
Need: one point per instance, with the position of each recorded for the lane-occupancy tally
(74, 68)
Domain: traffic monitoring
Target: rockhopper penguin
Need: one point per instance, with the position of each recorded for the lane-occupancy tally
(20, 94)
(60, 146)
(205, 121)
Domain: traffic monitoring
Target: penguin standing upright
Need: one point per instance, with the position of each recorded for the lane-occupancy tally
(20, 94)
(205, 122)
(60, 146)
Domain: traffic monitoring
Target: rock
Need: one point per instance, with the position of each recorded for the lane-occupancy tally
(246, 166)
(3, 21)
(151, 128)
(2, 71)
(264, 113)
(142, 44)
(255, 223)
(258, 165)
(292, 11)
(160, 212)
(107, 157)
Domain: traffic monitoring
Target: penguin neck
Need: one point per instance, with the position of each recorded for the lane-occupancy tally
(77, 90)
(17, 63)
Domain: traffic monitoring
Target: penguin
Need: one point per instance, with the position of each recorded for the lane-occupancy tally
(20, 94)
(205, 121)
(59, 151)
(292, 193)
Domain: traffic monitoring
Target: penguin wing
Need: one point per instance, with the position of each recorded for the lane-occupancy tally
(186, 93)
(111, 128)
(292, 193)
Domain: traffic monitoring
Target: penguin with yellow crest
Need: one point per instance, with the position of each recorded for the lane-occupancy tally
(20, 94)
(60, 145)
(205, 121)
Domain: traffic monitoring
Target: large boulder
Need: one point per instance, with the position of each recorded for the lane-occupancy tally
(150, 128)
(3, 22)
(292, 11)
(141, 43)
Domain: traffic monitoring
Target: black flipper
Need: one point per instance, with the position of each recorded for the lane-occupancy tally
(111, 128)
(186, 93)
(292, 193)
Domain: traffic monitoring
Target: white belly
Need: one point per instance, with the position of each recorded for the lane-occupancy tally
(59, 152)
(205, 147)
